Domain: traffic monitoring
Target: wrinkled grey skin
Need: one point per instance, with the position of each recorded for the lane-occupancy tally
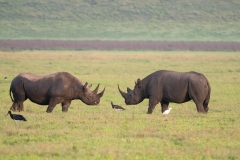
(61, 87)
(168, 86)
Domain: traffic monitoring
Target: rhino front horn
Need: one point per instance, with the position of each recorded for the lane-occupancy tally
(122, 93)
(101, 94)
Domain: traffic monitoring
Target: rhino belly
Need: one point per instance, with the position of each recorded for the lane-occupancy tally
(38, 97)
(39, 100)
(37, 93)
(176, 95)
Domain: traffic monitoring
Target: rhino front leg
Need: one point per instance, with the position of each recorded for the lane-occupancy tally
(164, 106)
(65, 106)
(52, 103)
(151, 105)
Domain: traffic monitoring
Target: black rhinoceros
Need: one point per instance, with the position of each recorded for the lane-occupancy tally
(168, 86)
(61, 87)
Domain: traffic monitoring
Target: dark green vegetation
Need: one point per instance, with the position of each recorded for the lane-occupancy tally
(171, 20)
(99, 132)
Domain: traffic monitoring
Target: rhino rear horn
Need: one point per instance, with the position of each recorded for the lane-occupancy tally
(122, 93)
(101, 93)
(128, 90)
(96, 89)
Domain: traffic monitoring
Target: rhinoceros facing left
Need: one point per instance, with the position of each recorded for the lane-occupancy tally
(168, 86)
(61, 87)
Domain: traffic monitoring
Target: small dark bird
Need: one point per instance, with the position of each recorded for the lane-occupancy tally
(5, 78)
(16, 117)
(116, 107)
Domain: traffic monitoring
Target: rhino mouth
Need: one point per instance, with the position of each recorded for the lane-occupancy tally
(96, 103)
(132, 102)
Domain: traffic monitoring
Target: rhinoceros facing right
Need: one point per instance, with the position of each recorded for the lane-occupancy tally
(61, 87)
(168, 86)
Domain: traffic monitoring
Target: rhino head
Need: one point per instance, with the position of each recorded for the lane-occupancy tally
(91, 97)
(134, 96)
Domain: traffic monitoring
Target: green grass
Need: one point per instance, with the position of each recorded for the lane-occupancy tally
(99, 132)
(214, 20)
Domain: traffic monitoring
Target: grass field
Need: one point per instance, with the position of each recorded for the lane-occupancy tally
(99, 132)
(183, 20)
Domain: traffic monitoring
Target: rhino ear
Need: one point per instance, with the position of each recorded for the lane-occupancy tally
(85, 86)
(128, 90)
(139, 83)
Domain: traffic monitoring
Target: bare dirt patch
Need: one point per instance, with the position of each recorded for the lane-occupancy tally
(116, 45)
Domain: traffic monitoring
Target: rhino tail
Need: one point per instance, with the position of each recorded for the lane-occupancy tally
(206, 101)
(17, 100)
(20, 103)
(10, 93)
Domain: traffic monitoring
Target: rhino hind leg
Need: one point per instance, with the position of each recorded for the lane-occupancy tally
(14, 107)
(197, 92)
(205, 105)
(199, 103)
(17, 106)
(18, 100)
(200, 108)
(21, 106)
(164, 106)
(65, 106)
